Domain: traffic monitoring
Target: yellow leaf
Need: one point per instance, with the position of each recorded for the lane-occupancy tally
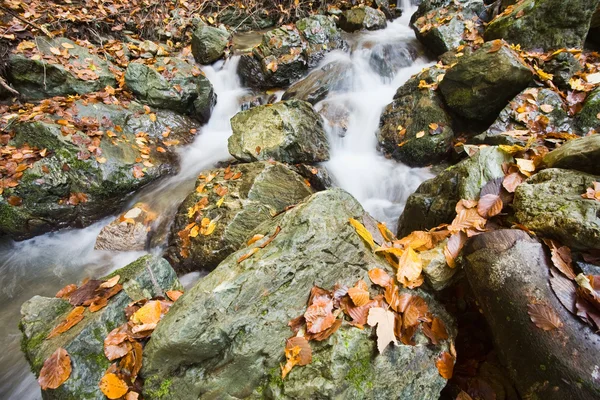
(525, 166)
(112, 386)
(194, 231)
(153, 117)
(420, 134)
(220, 202)
(101, 160)
(363, 232)
(67, 45)
(410, 267)
(210, 228)
(55, 51)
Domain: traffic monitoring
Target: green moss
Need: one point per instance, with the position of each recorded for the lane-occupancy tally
(162, 390)
(360, 374)
(130, 271)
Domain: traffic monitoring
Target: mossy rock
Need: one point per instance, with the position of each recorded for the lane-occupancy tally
(362, 17)
(322, 36)
(209, 43)
(579, 154)
(586, 120)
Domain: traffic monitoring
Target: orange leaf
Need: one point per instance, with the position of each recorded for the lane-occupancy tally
(445, 365)
(56, 370)
(379, 277)
(248, 254)
(148, 314)
(112, 386)
(410, 267)
(70, 321)
(297, 352)
(255, 238)
(173, 294)
(453, 248)
(496, 45)
(489, 205)
(359, 293)
(110, 283)
(512, 180)
(66, 291)
(544, 316)
(319, 314)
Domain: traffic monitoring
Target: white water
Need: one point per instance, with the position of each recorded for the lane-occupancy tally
(43, 265)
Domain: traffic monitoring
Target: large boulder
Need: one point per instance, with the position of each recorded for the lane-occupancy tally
(47, 68)
(286, 53)
(480, 85)
(387, 59)
(96, 155)
(579, 154)
(533, 110)
(225, 337)
(435, 200)
(415, 128)
(173, 84)
(264, 189)
(444, 25)
(550, 204)
(509, 271)
(544, 24)
(586, 119)
(130, 231)
(288, 131)
(332, 77)
(209, 43)
(147, 277)
(362, 17)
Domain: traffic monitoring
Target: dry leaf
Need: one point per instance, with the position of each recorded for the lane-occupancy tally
(255, 238)
(359, 293)
(410, 267)
(385, 321)
(489, 205)
(319, 315)
(174, 294)
(110, 283)
(72, 319)
(149, 314)
(112, 386)
(248, 254)
(363, 232)
(544, 316)
(56, 370)
(379, 277)
(66, 291)
(445, 365)
(453, 247)
(547, 108)
(297, 352)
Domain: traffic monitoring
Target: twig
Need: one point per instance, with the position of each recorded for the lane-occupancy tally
(5, 85)
(17, 16)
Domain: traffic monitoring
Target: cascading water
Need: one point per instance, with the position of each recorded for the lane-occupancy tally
(43, 265)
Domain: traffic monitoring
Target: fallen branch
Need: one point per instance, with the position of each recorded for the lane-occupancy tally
(6, 86)
(17, 16)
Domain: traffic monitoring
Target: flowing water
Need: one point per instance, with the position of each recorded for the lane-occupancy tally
(43, 265)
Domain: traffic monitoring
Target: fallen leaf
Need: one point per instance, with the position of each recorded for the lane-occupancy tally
(248, 254)
(544, 316)
(547, 108)
(110, 283)
(85, 292)
(255, 238)
(149, 314)
(297, 352)
(363, 232)
(112, 386)
(66, 291)
(379, 277)
(319, 315)
(56, 370)
(72, 319)
(410, 267)
(415, 311)
(453, 247)
(327, 332)
(445, 365)
(489, 205)
(561, 258)
(496, 46)
(385, 321)
(174, 294)
(420, 134)
(525, 166)
(512, 181)
(359, 293)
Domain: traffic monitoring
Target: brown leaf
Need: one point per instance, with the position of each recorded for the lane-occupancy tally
(359, 293)
(112, 386)
(319, 314)
(385, 321)
(72, 319)
(327, 332)
(445, 365)
(56, 370)
(453, 248)
(297, 352)
(114, 351)
(565, 290)
(14, 201)
(435, 331)
(415, 310)
(379, 277)
(489, 205)
(110, 283)
(496, 46)
(512, 180)
(85, 292)
(66, 291)
(544, 316)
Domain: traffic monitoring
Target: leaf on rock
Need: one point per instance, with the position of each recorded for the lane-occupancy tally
(319, 315)
(592, 193)
(297, 352)
(114, 351)
(385, 320)
(385, 232)
(363, 232)
(418, 240)
(327, 332)
(112, 386)
(453, 247)
(379, 277)
(72, 319)
(565, 290)
(489, 205)
(410, 268)
(248, 254)
(255, 238)
(149, 314)
(56, 370)
(544, 316)
(435, 331)
(110, 283)
(174, 294)
(359, 293)
(415, 311)
(512, 181)
(65, 292)
(85, 293)
(445, 365)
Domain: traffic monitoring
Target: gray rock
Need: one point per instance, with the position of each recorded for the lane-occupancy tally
(550, 204)
(225, 337)
(288, 131)
(333, 77)
(336, 116)
(362, 17)
(435, 200)
(322, 36)
(513, 118)
(47, 77)
(562, 67)
(586, 119)
(507, 271)
(579, 154)
(209, 43)
(147, 277)
(387, 59)
(544, 24)
(179, 86)
(70, 168)
(404, 128)
(130, 231)
(480, 85)
(436, 271)
(263, 190)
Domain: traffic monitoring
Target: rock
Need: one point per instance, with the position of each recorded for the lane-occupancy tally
(263, 190)
(537, 110)
(288, 131)
(179, 86)
(479, 86)
(55, 75)
(225, 337)
(147, 277)
(384, 6)
(405, 128)
(435, 200)
(562, 67)
(443, 25)
(336, 116)
(362, 17)
(388, 58)
(50, 188)
(316, 176)
(436, 271)
(245, 20)
(544, 24)
(286, 53)
(209, 43)
(550, 204)
(578, 154)
(130, 231)
(332, 77)
(507, 271)
(586, 119)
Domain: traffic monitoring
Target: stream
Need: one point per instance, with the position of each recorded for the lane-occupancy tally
(45, 264)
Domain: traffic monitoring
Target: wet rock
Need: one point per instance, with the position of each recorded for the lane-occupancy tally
(316, 176)
(336, 116)
(209, 43)
(288, 131)
(263, 190)
(507, 271)
(286, 53)
(435, 200)
(537, 110)
(130, 231)
(388, 58)
(479, 86)
(586, 119)
(226, 335)
(436, 271)
(443, 25)
(147, 277)
(578, 154)
(69, 169)
(544, 24)
(55, 75)
(179, 86)
(550, 204)
(333, 77)
(415, 128)
(562, 67)
(362, 17)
